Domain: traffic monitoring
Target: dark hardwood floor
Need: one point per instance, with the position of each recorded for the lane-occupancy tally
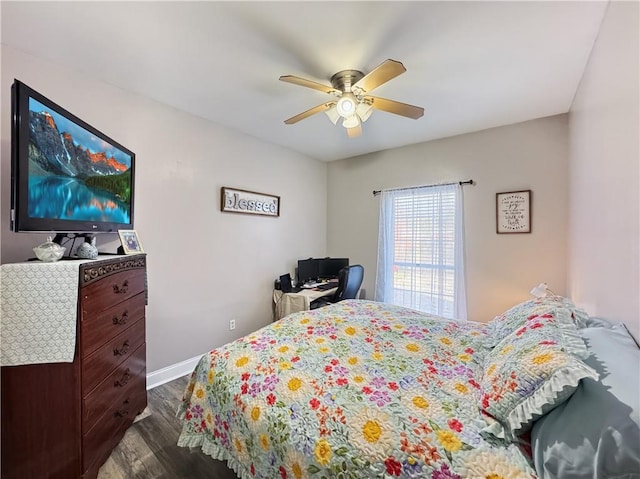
(149, 451)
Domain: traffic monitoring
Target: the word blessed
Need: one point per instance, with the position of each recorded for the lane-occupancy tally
(241, 201)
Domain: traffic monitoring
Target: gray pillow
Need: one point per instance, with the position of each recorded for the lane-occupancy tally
(595, 322)
(596, 433)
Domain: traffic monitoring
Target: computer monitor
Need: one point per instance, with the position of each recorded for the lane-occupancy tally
(329, 267)
(308, 269)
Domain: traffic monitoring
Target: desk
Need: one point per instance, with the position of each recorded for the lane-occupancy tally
(287, 303)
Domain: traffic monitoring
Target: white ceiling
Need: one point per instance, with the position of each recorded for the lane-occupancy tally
(471, 65)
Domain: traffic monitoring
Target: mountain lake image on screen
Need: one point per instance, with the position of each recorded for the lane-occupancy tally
(73, 174)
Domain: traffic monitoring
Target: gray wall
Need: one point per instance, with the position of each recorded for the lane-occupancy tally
(501, 268)
(604, 263)
(205, 267)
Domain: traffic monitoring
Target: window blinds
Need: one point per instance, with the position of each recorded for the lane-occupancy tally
(420, 260)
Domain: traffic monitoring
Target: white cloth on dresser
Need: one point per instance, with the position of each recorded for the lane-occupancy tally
(38, 312)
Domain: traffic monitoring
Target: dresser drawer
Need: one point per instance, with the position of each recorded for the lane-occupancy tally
(99, 442)
(110, 290)
(114, 386)
(100, 363)
(119, 377)
(117, 403)
(98, 328)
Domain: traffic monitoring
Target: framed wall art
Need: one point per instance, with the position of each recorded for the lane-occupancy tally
(233, 200)
(513, 212)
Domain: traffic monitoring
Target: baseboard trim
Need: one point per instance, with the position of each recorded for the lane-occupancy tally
(175, 371)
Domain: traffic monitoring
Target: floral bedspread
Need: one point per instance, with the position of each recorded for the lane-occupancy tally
(356, 390)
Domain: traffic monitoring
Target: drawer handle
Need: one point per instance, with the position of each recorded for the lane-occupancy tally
(123, 350)
(121, 289)
(122, 320)
(122, 413)
(123, 380)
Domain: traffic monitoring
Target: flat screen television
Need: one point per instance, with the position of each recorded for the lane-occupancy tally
(66, 176)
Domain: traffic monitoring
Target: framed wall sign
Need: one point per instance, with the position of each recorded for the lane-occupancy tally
(233, 200)
(513, 212)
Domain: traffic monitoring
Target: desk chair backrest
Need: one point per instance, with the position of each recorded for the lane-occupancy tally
(349, 282)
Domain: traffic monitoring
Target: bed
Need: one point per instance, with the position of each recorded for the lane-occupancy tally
(362, 389)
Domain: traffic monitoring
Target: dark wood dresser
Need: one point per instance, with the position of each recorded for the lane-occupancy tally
(62, 420)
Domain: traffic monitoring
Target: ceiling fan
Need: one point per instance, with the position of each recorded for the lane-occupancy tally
(354, 105)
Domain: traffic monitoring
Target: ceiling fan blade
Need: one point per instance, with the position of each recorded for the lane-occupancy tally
(396, 107)
(384, 72)
(355, 131)
(310, 84)
(308, 113)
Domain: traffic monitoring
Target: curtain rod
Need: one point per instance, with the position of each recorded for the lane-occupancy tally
(467, 182)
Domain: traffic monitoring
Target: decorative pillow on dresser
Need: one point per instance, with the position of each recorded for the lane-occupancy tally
(532, 369)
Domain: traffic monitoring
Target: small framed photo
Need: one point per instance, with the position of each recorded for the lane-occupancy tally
(513, 212)
(130, 241)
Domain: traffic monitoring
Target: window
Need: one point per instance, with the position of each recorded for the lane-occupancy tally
(420, 250)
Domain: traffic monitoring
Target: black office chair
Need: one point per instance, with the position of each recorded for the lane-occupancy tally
(349, 282)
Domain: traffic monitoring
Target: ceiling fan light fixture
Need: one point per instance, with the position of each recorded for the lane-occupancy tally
(352, 104)
(364, 110)
(351, 121)
(333, 115)
(346, 105)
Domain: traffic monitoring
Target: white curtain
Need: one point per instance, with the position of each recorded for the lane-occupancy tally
(421, 250)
